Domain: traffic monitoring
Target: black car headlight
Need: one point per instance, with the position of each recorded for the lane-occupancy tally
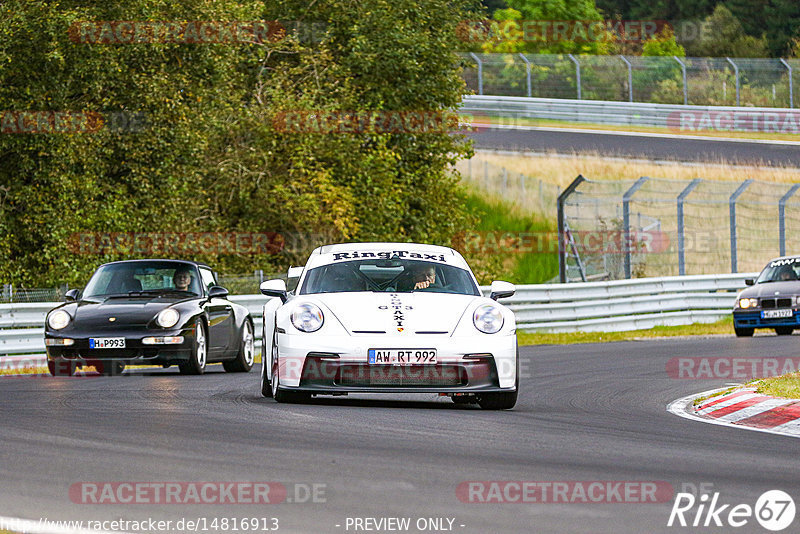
(167, 318)
(307, 317)
(58, 320)
(488, 319)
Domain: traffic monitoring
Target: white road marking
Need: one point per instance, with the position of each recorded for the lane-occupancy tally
(727, 402)
(755, 409)
(681, 407)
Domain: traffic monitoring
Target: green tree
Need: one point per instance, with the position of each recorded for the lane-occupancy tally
(211, 157)
(724, 35)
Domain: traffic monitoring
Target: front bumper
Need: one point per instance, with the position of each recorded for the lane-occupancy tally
(327, 364)
(753, 319)
(134, 353)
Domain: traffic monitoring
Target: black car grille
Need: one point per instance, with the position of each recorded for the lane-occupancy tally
(767, 304)
(401, 376)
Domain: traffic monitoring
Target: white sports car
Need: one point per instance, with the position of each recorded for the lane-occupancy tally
(389, 317)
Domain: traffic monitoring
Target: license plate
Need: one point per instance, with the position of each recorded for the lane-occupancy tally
(402, 356)
(774, 314)
(107, 343)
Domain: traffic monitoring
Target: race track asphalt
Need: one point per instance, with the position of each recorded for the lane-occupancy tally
(586, 413)
(655, 148)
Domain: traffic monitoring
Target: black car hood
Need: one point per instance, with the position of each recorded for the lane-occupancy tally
(772, 289)
(125, 310)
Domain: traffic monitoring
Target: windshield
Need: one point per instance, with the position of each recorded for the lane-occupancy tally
(780, 271)
(143, 278)
(394, 275)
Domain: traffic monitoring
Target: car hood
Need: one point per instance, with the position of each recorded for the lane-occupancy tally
(771, 289)
(394, 313)
(127, 311)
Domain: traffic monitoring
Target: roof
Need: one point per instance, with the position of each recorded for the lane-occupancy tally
(412, 251)
(172, 260)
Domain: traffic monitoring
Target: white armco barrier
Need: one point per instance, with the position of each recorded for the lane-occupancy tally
(612, 306)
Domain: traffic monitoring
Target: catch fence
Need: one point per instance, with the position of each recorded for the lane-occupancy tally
(705, 81)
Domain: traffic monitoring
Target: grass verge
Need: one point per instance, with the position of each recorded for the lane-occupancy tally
(491, 260)
(724, 326)
(787, 386)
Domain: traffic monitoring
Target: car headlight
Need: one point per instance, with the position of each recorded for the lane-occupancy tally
(488, 319)
(167, 318)
(58, 319)
(748, 303)
(307, 318)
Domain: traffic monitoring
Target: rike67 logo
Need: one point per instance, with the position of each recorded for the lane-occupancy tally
(774, 510)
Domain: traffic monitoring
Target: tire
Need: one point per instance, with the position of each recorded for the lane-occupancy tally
(246, 354)
(281, 395)
(744, 332)
(196, 365)
(464, 399)
(109, 368)
(61, 367)
(501, 401)
(266, 386)
(784, 330)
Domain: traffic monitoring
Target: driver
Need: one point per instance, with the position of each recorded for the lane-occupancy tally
(424, 276)
(787, 273)
(182, 278)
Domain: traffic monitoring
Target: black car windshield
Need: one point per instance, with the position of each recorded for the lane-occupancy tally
(392, 275)
(780, 271)
(143, 278)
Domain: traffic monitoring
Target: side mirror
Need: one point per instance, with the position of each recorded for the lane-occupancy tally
(749, 282)
(72, 295)
(501, 290)
(217, 292)
(274, 288)
(294, 272)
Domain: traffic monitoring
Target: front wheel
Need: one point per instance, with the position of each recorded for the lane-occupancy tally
(109, 368)
(784, 330)
(61, 367)
(743, 332)
(196, 365)
(282, 395)
(246, 355)
(504, 400)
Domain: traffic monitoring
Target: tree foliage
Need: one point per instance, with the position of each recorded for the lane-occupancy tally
(210, 157)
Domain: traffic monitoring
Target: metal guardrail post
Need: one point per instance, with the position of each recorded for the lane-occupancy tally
(626, 221)
(735, 73)
(480, 72)
(732, 207)
(685, 84)
(577, 73)
(630, 77)
(527, 73)
(562, 245)
(681, 242)
(791, 85)
(782, 217)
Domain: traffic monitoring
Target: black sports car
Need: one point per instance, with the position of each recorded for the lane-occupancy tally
(140, 312)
